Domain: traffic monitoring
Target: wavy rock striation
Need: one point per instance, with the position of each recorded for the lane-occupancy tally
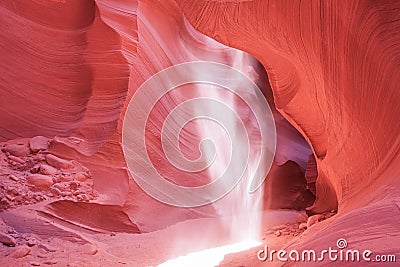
(333, 71)
(69, 69)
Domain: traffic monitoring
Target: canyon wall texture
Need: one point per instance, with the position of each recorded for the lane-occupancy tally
(334, 74)
(69, 69)
(71, 79)
(333, 68)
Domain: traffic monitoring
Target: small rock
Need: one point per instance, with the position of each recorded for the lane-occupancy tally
(64, 178)
(21, 252)
(66, 194)
(4, 202)
(112, 234)
(89, 249)
(40, 180)
(313, 220)
(39, 143)
(81, 176)
(32, 242)
(7, 240)
(37, 198)
(303, 226)
(278, 227)
(82, 197)
(58, 162)
(47, 170)
(18, 199)
(46, 248)
(12, 191)
(35, 169)
(302, 217)
(55, 191)
(13, 177)
(9, 197)
(16, 159)
(17, 150)
(278, 233)
(34, 263)
(74, 185)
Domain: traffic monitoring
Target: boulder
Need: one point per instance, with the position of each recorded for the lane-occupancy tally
(47, 169)
(58, 162)
(40, 180)
(16, 159)
(17, 150)
(81, 176)
(7, 240)
(20, 252)
(39, 143)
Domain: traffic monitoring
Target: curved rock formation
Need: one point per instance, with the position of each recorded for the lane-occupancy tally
(333, 71)
(70, 67)
(326, 71)
(89, 69)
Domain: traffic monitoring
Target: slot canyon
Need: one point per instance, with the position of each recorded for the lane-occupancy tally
(199, 133)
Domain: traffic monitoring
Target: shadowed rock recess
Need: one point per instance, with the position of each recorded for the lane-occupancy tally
(69, 68)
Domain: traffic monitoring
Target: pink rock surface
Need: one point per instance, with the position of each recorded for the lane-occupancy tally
(331, 69)
(40, 180)
(69, 69)
(39, 143)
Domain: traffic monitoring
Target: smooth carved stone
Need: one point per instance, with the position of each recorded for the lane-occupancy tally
(58, 162)
(47, 169)
(21, 252)
(17, 150)
(40, 180)
(7, 240)
(39, 143)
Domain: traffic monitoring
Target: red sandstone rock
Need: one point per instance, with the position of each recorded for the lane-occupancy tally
(39, 143)
(81, 176)
(20, 252)
(16, 159)
(17, 150)
(7, 240)
(328, 122)
(13, 177)
(47, 170)
(40, 180)
(333, 70)
(58, 162)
